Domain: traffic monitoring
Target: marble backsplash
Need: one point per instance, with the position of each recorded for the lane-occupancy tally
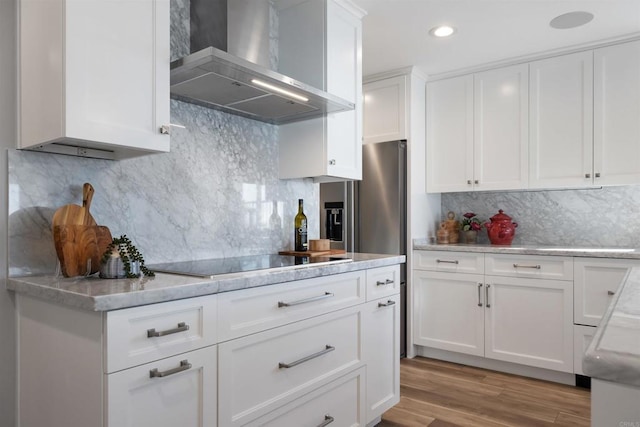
(603, 217)
(216, 194)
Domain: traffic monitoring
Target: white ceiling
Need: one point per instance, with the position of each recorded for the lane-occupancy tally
(395, 32)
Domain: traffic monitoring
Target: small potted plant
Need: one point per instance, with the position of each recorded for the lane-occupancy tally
(470, 227)
(122, 259)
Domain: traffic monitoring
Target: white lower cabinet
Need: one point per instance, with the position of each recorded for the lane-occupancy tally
(448, 311)
(381, 348)
(516, 319)
(582, 336)
(179, 390)
(529, 321)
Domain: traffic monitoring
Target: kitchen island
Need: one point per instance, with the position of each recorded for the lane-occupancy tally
(308, 344)
(613, 359)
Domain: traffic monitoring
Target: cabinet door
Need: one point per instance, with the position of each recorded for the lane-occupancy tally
(184, 396)
(596, 281)
(501, 117)
(561, 120)
(109, 88)
(529, 321)
(450, 135)
(617, 109)
(381, 350)
(448, 311)
(385, 110)
(344, 79)
(582, 336)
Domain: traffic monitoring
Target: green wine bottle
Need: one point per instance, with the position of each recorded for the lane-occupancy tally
(300, 233)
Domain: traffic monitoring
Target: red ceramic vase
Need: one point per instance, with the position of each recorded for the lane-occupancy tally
(501, 229)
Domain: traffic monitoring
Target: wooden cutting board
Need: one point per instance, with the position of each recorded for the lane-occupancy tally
(75, 244)
(74, 214)
(314, 253)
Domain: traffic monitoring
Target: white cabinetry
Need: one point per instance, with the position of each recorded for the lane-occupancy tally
(385, 110)
(88, 89)
(147, 356)
(523, 318)
(496, 156)
(561, 120)
(616, 110)
(327, 148)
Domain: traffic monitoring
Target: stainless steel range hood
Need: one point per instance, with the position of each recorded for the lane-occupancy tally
(212, 77)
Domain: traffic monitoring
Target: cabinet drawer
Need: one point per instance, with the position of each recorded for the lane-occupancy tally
(142, 334)
(184, 396)
(253, 310)
(383, 282)
(340, 402)
(459, 262)
(539, 267)
(261, 372)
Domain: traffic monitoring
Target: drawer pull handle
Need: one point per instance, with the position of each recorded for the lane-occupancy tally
(327, 349)
(537, 267)
(386, 304)
(611, 293)
(304, 301)
(382, 283)
(486, 296)
(444, 261)
(182, 326)
(479, 294)
(184, 365)
(328, 419)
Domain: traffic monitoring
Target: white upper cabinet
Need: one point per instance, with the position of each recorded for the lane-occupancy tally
(327, 148)
(561, 142)
(94, 77)
(617, 114)
(385, 110)
(450, 135)
(501, 109)
(477, 131)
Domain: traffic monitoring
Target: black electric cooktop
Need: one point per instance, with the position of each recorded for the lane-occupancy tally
(209, 268)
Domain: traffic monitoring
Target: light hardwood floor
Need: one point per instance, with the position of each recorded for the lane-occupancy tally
(440, 394)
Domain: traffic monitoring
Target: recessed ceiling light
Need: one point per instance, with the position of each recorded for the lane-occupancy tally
(442, 31)
(571, 20)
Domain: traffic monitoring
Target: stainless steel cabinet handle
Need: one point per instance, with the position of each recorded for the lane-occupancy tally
(382, 283)
(597, 174)
(152, 333)
(486, 296)
(479, 294)
(476, 182)
(327, 349)
(304, 301)
(444, 261)
(184, 365)
(610, 293)
(328, 419)
(332, 162)
(469, 182)
(386, 304)
(537, 267)
(587, 175)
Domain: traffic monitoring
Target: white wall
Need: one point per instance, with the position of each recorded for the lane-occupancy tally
(7, 140)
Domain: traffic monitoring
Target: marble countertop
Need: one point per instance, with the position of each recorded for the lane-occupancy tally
(614, 352)
(595, 252)
(95, 294)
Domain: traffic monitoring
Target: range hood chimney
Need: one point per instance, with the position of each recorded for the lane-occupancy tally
(228, 68)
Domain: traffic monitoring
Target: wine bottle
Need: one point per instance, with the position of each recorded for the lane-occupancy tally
(301, 242)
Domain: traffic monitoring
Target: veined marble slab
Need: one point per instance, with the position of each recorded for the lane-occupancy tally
(97, 294)
(614, 353)
(595, 252)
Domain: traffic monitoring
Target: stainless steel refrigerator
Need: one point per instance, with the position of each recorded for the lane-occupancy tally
(371, 215)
